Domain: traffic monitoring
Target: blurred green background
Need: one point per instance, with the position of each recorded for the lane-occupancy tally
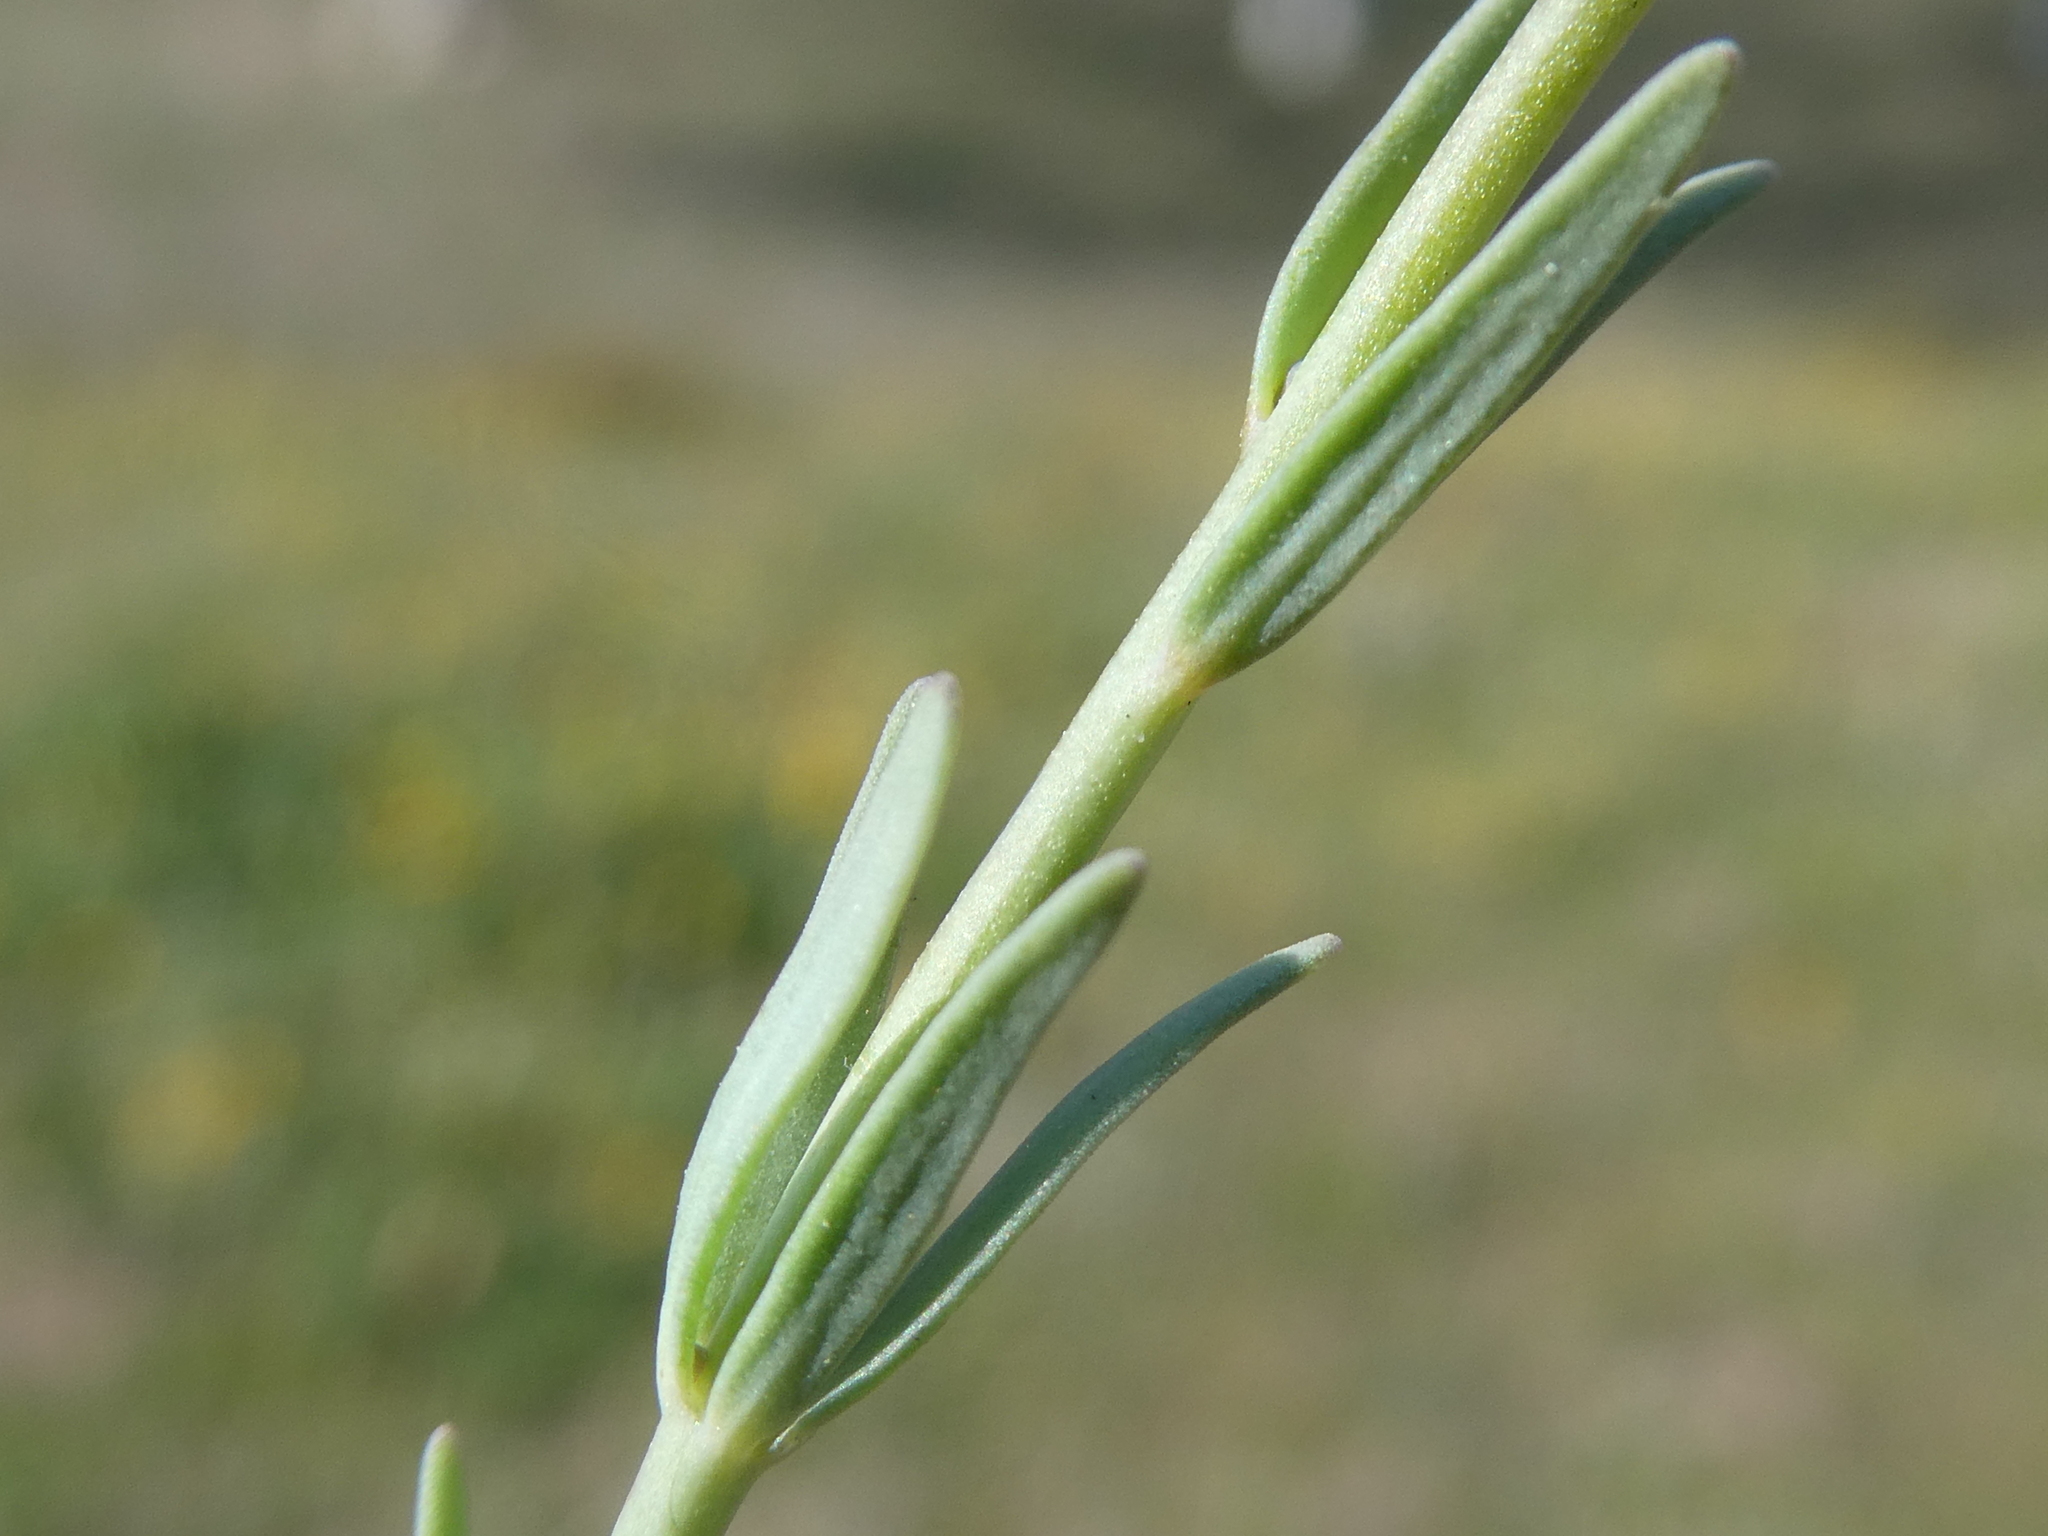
(473, 477)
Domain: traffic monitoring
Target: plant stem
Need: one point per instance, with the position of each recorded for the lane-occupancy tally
(690, 1481)
(1112, 744)
(698, 1469)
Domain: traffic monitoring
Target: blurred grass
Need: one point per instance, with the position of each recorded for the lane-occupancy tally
(409, 777)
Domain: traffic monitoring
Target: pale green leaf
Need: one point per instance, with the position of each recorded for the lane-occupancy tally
(1470, 185)
(1449, 379)
(887, 1188)
(809, 1029)
(1696, 207)
(1361, 199)
(442, 1506)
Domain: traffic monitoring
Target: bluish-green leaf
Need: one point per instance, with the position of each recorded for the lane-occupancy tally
(811, 1025)
(1696, 207)
(442, 1505)
(1470, 185)
(1351, 214)
(1448, 380)
(994, 1219)
(887, 1188)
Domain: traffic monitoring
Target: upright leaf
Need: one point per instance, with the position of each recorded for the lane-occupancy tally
(442, 1506)
(887, 1188)
(1350, 215)
(1500, 139)
(1448, 380)
(811, 1025)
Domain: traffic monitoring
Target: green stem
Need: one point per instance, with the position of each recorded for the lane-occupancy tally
(1116, 737)
(697, 1470)
(1145, 692)
(690, 1482)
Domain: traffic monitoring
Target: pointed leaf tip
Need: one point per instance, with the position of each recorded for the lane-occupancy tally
(441, 1507)
(1696, 207)
(1040, 1167)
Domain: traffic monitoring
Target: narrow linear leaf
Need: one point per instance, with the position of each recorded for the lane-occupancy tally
(442, 1507)
(889, 1186)
(1362, 198)
(1040, 1167)
(1450, 378)
(1469, 187)
(811, 1025)
(1696, 207)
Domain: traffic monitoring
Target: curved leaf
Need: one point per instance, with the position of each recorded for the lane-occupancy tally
(1470, 185)
(1040, 1167)
(1449, 379)
(1362, 198)
(813, 1022)
(887, 1188)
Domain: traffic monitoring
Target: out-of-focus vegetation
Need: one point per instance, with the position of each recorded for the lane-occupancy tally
(427, 173)
(408, 776)
(472, 478)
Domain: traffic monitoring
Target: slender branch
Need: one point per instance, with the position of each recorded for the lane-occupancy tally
(690, 1481)
(1105, 754)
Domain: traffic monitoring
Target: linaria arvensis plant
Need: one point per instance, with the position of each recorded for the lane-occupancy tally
(1411, 317)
